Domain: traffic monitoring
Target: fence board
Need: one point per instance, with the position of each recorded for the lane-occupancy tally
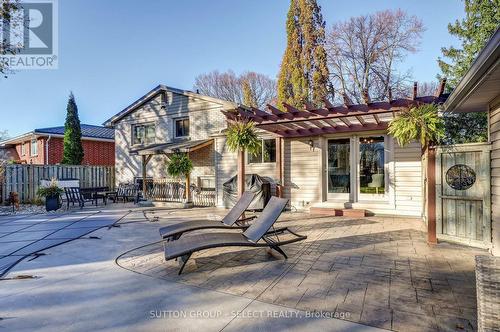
(25, 179)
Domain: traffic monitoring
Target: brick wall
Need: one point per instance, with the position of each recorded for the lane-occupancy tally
(95, 152)
(27, 157)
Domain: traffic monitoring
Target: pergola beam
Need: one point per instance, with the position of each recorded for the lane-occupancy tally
(330, 130)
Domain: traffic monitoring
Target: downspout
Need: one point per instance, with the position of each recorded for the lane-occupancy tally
(47, 150)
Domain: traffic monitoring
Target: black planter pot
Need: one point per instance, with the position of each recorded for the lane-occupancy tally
(52, 203)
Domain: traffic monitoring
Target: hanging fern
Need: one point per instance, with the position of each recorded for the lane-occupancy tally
(421, 123)
(242, 136)
(179, 165)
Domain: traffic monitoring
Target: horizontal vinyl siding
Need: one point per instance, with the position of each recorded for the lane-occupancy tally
(205, 120)
(302, 172)
(408, 179)
(227, 167)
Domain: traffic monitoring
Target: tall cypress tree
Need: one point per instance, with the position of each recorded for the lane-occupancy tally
(304, 73)
(482, 18)
(73, 149)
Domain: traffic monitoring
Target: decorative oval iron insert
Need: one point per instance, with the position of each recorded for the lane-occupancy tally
(460, 177)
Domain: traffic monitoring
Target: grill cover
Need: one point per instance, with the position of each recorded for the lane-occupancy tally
(254, 183)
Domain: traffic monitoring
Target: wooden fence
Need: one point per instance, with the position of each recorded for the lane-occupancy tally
(25, 179)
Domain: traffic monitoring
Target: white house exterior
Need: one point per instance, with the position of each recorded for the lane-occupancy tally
(162, 116)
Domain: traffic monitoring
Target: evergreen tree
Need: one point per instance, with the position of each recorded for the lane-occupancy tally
(481, 20)
(73, 149)
(249, 98)
(304, 73)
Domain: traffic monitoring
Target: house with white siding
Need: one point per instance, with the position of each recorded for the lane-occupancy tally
(163, 121)
(337, 159)
(328, 159)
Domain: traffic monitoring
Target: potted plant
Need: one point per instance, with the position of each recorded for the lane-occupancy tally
(52, 194)
(179, 165)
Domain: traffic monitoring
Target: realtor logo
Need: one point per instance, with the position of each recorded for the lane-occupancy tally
(31, 35)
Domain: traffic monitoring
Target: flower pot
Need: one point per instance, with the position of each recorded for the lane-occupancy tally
(52, 203)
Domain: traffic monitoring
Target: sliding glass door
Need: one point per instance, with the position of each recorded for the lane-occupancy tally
(339, 169)
(372, 177)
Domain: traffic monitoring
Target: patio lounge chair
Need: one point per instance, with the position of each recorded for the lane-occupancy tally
(173, 232)
(257, 235)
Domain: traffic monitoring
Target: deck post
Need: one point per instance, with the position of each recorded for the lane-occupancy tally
(431, 196)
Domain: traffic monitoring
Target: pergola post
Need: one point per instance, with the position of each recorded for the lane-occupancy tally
(145, 161)
(431, 196)
(188, 188)
(241, 172)
(279, 167)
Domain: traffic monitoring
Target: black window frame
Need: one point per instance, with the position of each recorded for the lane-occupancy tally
(251, 159)
(184, 127)
(144, 141)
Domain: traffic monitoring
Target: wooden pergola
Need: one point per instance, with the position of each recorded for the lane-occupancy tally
(329, 119)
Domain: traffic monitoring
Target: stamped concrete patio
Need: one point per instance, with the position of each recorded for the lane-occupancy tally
(349, 275)
(377, 271)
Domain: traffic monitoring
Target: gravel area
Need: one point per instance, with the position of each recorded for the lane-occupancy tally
(26, 209)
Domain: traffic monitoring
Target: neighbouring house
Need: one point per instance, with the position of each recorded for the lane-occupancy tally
(44, 146)
(479, 91)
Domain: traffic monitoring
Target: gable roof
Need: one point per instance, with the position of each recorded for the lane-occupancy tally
(88, 131)
(163, 88)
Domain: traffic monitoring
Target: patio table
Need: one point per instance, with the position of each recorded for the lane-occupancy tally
(105, 195)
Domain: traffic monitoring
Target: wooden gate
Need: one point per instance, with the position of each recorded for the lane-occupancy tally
(463, 208)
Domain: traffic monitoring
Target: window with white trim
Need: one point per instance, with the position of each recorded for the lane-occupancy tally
(23, 149)
(143, 133)
(182, 127)
(34, 147)
(267, 154)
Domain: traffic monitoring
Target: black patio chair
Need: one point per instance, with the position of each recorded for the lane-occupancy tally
(257, 235)
(75, 196)
(231, 220)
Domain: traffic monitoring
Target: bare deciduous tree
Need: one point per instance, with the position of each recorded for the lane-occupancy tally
(427, 88)
(11, 21)
(364, 51)
(250, 88)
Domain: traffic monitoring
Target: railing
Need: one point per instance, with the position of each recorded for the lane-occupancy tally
(166, 190)
(203, 196)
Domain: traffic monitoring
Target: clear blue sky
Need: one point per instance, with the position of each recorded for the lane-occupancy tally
(112, 52)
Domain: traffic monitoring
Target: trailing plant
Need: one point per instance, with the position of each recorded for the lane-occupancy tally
(242, 136)
(51, 190)
(421, 123)
(179, 165)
